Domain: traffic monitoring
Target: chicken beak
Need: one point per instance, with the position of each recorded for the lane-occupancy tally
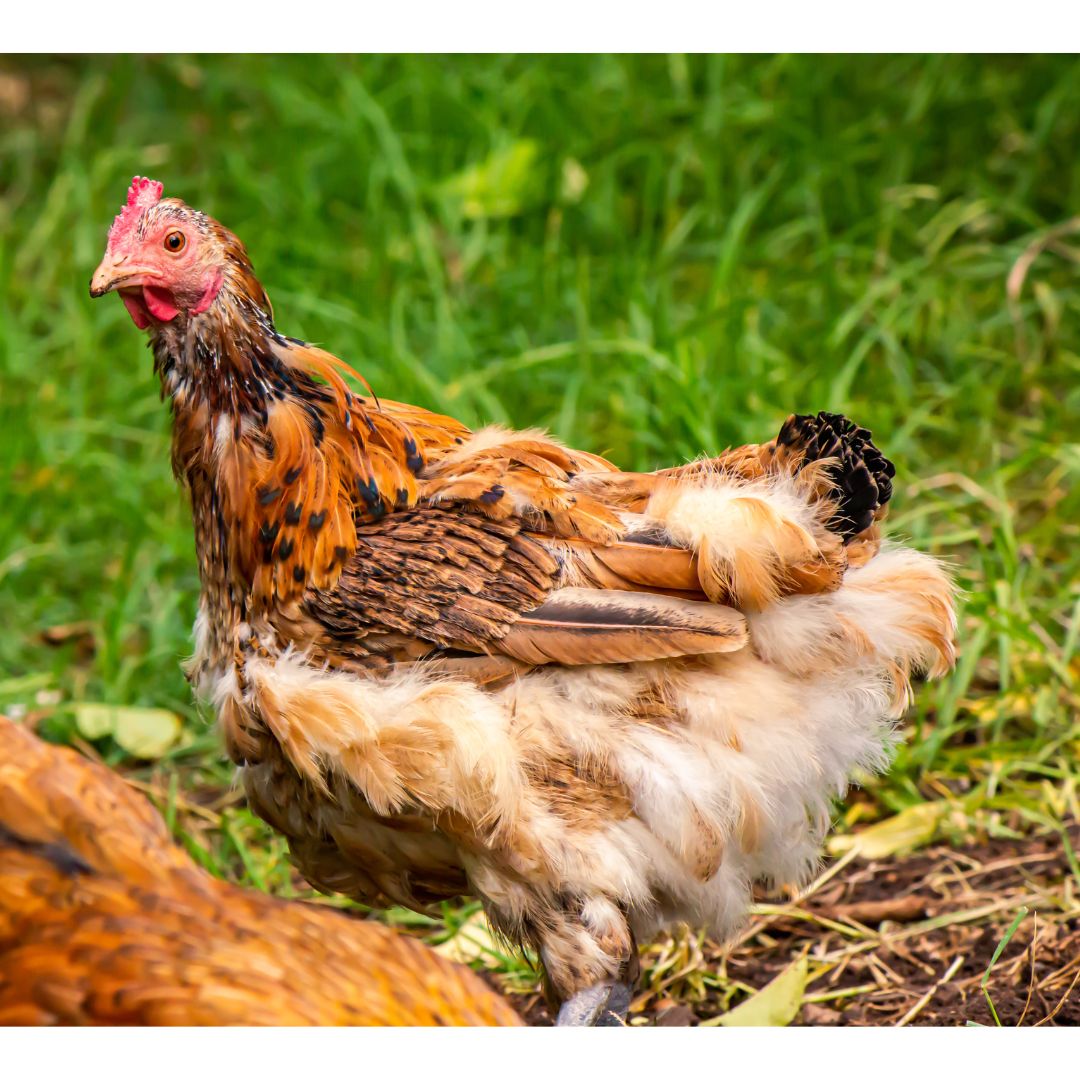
(112, 272)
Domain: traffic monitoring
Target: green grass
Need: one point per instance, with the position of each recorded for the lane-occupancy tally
(652, 257)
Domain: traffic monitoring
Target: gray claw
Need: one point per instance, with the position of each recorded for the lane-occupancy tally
(603, 1005)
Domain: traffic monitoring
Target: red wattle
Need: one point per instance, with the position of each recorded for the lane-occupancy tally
(160, 304)
(136, 309)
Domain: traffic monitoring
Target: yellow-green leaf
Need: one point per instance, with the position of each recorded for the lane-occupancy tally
(497, 186)
(906, 831)
(145, 733)
(95, 721)
(774, 1005)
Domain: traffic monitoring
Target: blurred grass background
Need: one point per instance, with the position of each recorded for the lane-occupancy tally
(653, 257)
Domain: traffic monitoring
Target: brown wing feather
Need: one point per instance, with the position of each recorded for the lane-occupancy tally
(435, 579)
(444, 576)
(591, 626)
(631, 564)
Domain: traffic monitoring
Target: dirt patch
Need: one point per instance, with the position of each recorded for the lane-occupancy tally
(902, 941)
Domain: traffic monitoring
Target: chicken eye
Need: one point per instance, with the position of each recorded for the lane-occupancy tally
(175, 241)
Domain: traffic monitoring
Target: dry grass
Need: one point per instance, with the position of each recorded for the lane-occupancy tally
(894, 942)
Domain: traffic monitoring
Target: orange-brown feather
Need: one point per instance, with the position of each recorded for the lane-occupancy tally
(103, 920)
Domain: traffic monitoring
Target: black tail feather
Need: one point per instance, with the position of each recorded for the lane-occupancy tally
(863, 474)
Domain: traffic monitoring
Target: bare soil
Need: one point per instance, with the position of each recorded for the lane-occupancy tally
(900, 941)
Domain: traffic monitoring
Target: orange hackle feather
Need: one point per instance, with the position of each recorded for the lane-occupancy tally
(321, 466)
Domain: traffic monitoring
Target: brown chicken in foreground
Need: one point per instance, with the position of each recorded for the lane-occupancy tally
(453, 661)
(103, 920)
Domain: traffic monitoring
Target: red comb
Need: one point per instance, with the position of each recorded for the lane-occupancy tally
(143, 192)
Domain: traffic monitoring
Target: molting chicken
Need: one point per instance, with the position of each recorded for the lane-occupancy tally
(451, 661)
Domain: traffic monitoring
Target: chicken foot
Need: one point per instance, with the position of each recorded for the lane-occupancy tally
(602, 1005)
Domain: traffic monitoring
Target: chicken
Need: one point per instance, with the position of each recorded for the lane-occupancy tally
(103, 920)
(451, 661)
